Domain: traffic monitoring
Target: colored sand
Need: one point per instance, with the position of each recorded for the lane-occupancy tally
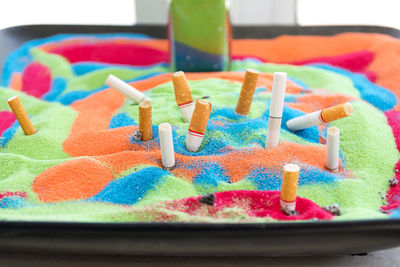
(84, 165)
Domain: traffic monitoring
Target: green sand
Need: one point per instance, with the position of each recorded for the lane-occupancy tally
(371, 160)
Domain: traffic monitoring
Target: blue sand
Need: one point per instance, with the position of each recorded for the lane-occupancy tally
(211, 174)
(85, 67)
(266, 179)
(378, 96)
(8, 134)
(121, 120)
(57, 87)
(396, 215)
(131, 188)
(12, 202)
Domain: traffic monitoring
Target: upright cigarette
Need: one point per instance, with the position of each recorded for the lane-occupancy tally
(247, 92)
(21, 115)
(125, 89)
(289, 188)
(198, 125)
(183, 95)
(320, 117)
(145, 120)
(276, 109)
(332, 148)
(167, 145)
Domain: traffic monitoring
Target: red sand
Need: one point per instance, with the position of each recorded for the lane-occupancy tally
(261, 204)
(393, 193)
(7, 120)
(36, 80)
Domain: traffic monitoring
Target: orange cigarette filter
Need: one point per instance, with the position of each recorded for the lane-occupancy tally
(21, 115)
(200, 116)
(183, 94)
(247, 92)
(145, 120)
(337, 112)
(289, 183)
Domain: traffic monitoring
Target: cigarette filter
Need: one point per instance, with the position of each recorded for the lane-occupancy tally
(167, 145)
(198, 125)
(332, 148)
(183, 95)
(145, 120)
(127, 90)
(21, 115)
(337, 112)
(276, 109)
(247, 92)
(320, 117)
(289, 187)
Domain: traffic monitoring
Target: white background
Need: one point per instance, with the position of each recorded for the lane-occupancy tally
(122, 12)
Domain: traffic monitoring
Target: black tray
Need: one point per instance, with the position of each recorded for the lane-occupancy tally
(269, 239)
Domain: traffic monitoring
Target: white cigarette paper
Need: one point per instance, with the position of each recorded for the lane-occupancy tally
(193, 141)
(167, 145)
(332, 148)
(276, 109)
(187, 111)
(125, 89)
(305, 121)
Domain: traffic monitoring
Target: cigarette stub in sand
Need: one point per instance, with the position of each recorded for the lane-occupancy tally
(145, 120)
(247, 92)
(183, 95)
(276, 109)
(198, 125)
(320, 117)
(289, 188)
(167, 145)
(127, 90)
(21, 115)
(332, 148)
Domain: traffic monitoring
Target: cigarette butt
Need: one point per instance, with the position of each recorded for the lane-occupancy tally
(289, 187)
(145, 120)
(320, 117)
(127, 90)
(183, 95)
(337, 112)
(21, 115)
(198, 124)
(276, 109)
(166, 145)
(247, 92)
(332, 148)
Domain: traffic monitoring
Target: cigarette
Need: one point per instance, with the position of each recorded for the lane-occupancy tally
(332, 148)
(198, 125)
(145, 120)
(320, 117)
(247, 92)
(21, 115)
(167, 145)
(127, 90)
(289, 188)
(183, 95)
(276, 109)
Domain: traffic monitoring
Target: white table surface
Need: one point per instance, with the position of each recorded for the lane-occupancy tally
(385, 258)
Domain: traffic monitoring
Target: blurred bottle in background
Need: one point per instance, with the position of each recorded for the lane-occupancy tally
(199, 35)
